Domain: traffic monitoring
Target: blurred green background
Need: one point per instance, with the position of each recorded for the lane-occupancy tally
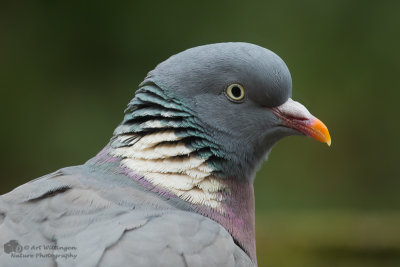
(67, 71)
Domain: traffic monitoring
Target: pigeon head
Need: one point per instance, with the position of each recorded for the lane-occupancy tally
(226, 103)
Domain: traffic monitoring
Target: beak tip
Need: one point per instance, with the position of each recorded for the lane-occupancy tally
(319, 131)
(329, 142)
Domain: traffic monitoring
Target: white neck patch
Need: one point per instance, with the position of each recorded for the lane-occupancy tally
(166, 162)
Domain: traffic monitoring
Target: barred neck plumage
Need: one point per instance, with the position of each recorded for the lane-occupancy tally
(164, 146)
(161, 139)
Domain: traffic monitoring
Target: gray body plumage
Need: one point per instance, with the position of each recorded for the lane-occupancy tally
(111, 221)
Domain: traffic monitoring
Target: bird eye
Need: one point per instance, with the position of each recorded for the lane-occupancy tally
(235, 92)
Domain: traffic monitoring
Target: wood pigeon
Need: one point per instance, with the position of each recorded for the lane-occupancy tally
(174, 186)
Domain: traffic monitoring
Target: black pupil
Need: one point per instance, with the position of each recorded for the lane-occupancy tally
(236, 92)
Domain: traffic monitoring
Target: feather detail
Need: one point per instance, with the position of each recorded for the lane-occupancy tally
(161, 140)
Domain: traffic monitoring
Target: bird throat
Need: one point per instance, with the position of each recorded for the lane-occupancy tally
(164, 160)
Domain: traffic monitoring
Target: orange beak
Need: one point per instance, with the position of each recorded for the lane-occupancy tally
(294, 115)
(318, 131)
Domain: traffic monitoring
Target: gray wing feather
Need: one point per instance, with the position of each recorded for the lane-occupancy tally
(176, 239)
(107, 221)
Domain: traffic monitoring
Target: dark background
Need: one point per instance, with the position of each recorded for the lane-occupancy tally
(68, 70)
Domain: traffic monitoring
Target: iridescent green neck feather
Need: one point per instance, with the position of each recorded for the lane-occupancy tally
(161, 139)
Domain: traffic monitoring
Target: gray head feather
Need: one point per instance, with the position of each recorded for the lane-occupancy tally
(209, 69)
